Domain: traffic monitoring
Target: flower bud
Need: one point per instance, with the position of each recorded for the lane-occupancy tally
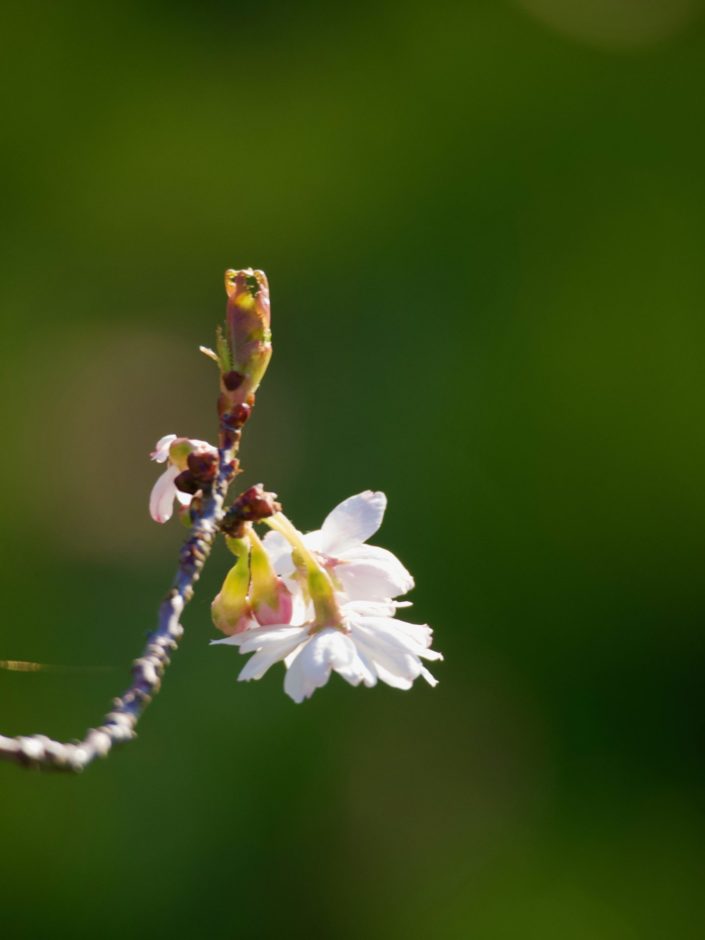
(249, 346)
(254, 505)
(270, 598)
(231, 610)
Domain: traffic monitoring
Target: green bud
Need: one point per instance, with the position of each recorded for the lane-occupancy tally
(246, 348)
(231, 610)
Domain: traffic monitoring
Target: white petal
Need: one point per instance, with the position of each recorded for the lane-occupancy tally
(352, 522)
(366, 668)
(315, 541)
(281, 639)
(368, 608)
(421, 634)
(432, 681)
(183, 498)
(161, 499)
(412, 638)
(257, 665)
(394, 664)
(393, 680)
(279, 552)
(161, 448)
(330, 649)
(368, 572)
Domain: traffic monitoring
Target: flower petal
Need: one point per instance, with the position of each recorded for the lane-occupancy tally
(388, 658)
(280, 637)
(412, 638)
(330, 649)
(279, 552)
(368, 572)
(352, 522)
(161, 448)
(161, 499)
(432, 681)
(257, 665)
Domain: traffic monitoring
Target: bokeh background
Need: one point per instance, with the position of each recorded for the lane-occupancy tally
(483, 225)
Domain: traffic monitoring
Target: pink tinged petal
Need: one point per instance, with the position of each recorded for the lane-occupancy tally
(328, 650)
(161, 499)
(161, 448)
(368, 572)
(352, 522)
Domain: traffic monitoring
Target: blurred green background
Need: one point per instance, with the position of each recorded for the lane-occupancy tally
(483, 225)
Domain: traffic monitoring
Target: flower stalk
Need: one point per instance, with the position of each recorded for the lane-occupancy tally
(319, 602)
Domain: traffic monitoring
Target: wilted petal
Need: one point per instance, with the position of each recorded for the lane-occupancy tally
(161, 499)
(161, 448)
(368, 572)
(352, 522)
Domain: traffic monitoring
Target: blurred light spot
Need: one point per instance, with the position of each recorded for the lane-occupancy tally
(615, 23)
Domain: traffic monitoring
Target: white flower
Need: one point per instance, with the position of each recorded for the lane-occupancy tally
(174, 451)
(363, 572)
(343, 618)
(374, 645)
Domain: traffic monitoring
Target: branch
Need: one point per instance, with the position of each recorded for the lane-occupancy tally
(119, 724)
(244, 351)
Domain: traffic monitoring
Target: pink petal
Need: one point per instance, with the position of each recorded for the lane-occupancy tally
(161, 499)
(161, 448)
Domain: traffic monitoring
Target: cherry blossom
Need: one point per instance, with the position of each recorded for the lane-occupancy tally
(363, 572)
(343, 618)
(372, 645)
(174, 451)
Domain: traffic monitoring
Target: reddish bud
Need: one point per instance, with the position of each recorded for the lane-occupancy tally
(233, 380)
(203, 466)
(251, 506)
(186, 483)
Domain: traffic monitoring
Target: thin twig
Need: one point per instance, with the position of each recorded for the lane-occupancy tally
(119, 724)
